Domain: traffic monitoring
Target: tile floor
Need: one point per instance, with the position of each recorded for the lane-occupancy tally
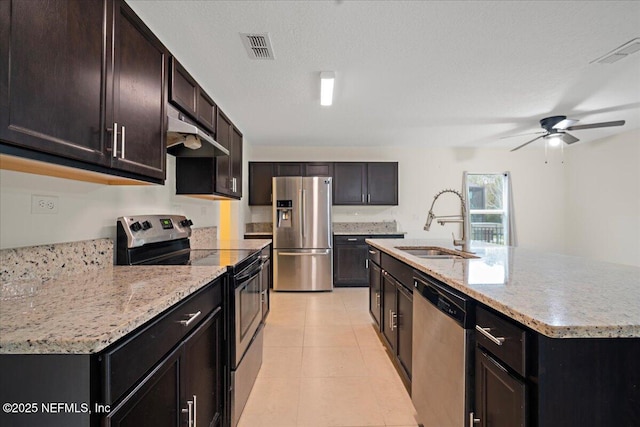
(323, 365)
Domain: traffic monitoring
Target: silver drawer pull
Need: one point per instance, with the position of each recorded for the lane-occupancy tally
(473, 420)
(485, 332)
(372, 252)
(192, 317)
(352, 239)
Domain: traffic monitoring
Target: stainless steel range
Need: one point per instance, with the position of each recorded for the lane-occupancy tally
(164, 240)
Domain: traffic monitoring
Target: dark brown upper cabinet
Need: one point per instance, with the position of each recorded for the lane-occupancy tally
(360, 183)
(70, 91)
(260, 183)
(289, 169)
(190, 98)
(318, 169)
(218, 177)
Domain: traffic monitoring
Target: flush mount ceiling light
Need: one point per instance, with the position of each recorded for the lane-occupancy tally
(327, 79)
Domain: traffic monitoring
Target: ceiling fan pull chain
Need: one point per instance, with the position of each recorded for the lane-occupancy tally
(546, 149)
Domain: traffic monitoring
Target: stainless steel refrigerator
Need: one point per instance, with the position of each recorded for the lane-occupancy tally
(302, 244)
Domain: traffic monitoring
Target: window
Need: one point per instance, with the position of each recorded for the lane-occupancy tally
(489, 202)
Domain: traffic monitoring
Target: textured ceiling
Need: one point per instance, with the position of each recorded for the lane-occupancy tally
(450, 73)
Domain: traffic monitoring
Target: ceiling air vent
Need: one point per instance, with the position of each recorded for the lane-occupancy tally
(258, 46)
(619, 53)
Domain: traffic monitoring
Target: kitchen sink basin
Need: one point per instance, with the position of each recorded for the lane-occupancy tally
(433, 252)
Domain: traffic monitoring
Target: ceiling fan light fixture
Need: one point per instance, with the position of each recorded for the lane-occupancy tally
(327, 79)
(554, 139)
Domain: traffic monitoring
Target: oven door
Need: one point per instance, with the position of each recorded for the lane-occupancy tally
(248, 307)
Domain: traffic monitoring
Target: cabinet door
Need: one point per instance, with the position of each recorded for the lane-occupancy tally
(139, 95)
(350, 265)
(382, 183)
(288, 169)
(183, 90)
(155, 401)
(206, 111)
(500, 397)
(223, 163)
(389, 311)
(203, 371)
(405, 328)
(375, 292)
(236, 162)
(260, 183)
(349, 183)
(51, 86)
(318, 169)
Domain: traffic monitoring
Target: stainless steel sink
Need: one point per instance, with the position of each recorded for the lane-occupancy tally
(433, 252)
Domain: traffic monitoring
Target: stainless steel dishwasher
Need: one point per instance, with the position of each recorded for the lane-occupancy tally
(443, 338)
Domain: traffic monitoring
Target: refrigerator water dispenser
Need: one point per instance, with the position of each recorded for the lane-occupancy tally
(284, 213)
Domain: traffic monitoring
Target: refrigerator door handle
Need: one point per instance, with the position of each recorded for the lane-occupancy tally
(304, 253)
(303, 222)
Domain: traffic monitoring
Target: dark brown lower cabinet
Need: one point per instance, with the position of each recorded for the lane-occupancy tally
(501, 398)
(375, 292)
(397, 324)
(182, 389)
(350, 265)
(405, 328)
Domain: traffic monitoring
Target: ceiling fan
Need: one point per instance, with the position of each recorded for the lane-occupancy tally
(556, 127)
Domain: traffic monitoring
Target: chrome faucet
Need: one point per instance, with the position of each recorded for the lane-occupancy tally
(463, 218)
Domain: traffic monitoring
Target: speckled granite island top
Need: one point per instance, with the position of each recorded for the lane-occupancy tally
(559, 296)
(84, 313)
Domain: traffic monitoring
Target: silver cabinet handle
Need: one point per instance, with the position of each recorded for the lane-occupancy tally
(189, 410)
(366, 263)
(368, 198)
(394, 318)
(362, 198)
(123, 142)
(352, 239)
(372, 252)
(195, 412)
(485, 332)
(115, 139)
(303, 253)
(377, 299)
(192, 317)
(473, 420)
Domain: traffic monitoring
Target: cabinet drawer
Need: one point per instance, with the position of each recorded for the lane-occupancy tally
(513, 339)
(401, 271)
(125, 364)
(349, 240)
(374, 255)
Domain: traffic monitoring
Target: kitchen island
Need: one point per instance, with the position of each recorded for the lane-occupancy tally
(560, 339)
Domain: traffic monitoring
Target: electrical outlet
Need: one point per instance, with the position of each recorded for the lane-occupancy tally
(44, 204)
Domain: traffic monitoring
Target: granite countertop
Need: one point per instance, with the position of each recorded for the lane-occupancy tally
(84, 313)
(559, 296)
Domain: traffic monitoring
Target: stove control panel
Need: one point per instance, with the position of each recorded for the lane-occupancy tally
(140, 230)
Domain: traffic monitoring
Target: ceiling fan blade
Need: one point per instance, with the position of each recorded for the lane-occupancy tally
(597, 125)
(527, 143)
(568, 138)
(562, 125)
(523, 134)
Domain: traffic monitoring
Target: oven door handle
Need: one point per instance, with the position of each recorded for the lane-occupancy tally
(251, 274)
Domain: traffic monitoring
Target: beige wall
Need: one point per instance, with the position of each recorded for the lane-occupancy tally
(602, 181)
(538, 187)
(89, 211)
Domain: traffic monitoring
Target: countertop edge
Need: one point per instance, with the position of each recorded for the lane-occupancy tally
(550, 331)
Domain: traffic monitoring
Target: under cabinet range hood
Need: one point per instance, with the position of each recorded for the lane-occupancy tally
(186, 139)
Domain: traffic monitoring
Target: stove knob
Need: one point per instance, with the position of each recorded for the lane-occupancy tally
(146, 225)
(186, 222)
(135, 226)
